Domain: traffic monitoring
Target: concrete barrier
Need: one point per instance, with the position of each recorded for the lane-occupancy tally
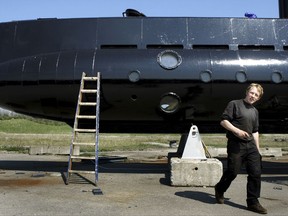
(53, 150)
(195, 172)
(266, 152)
(271, 152)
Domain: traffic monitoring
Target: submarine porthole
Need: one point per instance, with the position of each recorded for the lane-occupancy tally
(241, 76)
(134, 97)
(169, 59)
(134, 76)
(277, 77)
(206, 76)
(170, 103)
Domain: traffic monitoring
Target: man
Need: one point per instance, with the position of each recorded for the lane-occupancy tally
(240, 119)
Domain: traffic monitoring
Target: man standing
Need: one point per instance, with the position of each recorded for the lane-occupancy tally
(240, 119)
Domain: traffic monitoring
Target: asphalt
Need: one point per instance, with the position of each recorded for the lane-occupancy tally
(129, 183)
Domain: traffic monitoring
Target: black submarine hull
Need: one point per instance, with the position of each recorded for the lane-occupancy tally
(157, 74)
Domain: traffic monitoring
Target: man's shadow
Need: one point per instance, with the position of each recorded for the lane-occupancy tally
(206, 198)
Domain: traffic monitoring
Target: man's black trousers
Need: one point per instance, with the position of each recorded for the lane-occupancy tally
(239, 154)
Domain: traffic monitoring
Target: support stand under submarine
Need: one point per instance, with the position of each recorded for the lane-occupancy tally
(189, 166)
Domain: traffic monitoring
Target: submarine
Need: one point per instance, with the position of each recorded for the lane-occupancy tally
(158, 74)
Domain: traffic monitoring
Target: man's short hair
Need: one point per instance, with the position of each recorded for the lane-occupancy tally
(258, 87)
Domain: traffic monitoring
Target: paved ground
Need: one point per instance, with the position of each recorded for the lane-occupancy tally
(34, 185)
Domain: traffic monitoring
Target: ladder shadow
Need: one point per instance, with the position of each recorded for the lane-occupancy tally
(76, 178)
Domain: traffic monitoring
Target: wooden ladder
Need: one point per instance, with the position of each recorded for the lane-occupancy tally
(86, 126)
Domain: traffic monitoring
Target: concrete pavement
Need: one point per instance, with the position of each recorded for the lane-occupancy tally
(138, 185)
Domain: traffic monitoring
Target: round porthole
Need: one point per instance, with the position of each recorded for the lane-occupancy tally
(134, 97)
(241, 76)
(170, 103)
(169, 59)
(276, 77)
(206, 76)
(134, 76)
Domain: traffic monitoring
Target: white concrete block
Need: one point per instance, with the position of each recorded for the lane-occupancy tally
(54, 150)
(266, 152)
(271, 152)
(195, 172)
(217, 152)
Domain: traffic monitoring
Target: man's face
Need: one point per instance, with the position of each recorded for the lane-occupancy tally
(252, 95)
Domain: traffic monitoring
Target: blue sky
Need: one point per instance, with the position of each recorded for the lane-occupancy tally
(11, 10)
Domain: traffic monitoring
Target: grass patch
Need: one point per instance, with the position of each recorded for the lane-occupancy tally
(132, 142)
(18, 149)
(35, 126)
(21, 133)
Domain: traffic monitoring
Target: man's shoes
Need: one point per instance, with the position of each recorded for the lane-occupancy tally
(219, 196)
(258, 208)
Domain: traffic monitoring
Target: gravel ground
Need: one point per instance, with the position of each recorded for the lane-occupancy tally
(132, 183)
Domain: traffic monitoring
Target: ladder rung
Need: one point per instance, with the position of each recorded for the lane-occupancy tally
(83, 144)
(81, 171)
(88, 91)
(85, 130)
(86, 117)
(90, 78)
(87, 103)
(83, 157)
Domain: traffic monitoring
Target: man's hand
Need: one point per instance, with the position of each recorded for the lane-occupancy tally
(241, 134)
(236, 131)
